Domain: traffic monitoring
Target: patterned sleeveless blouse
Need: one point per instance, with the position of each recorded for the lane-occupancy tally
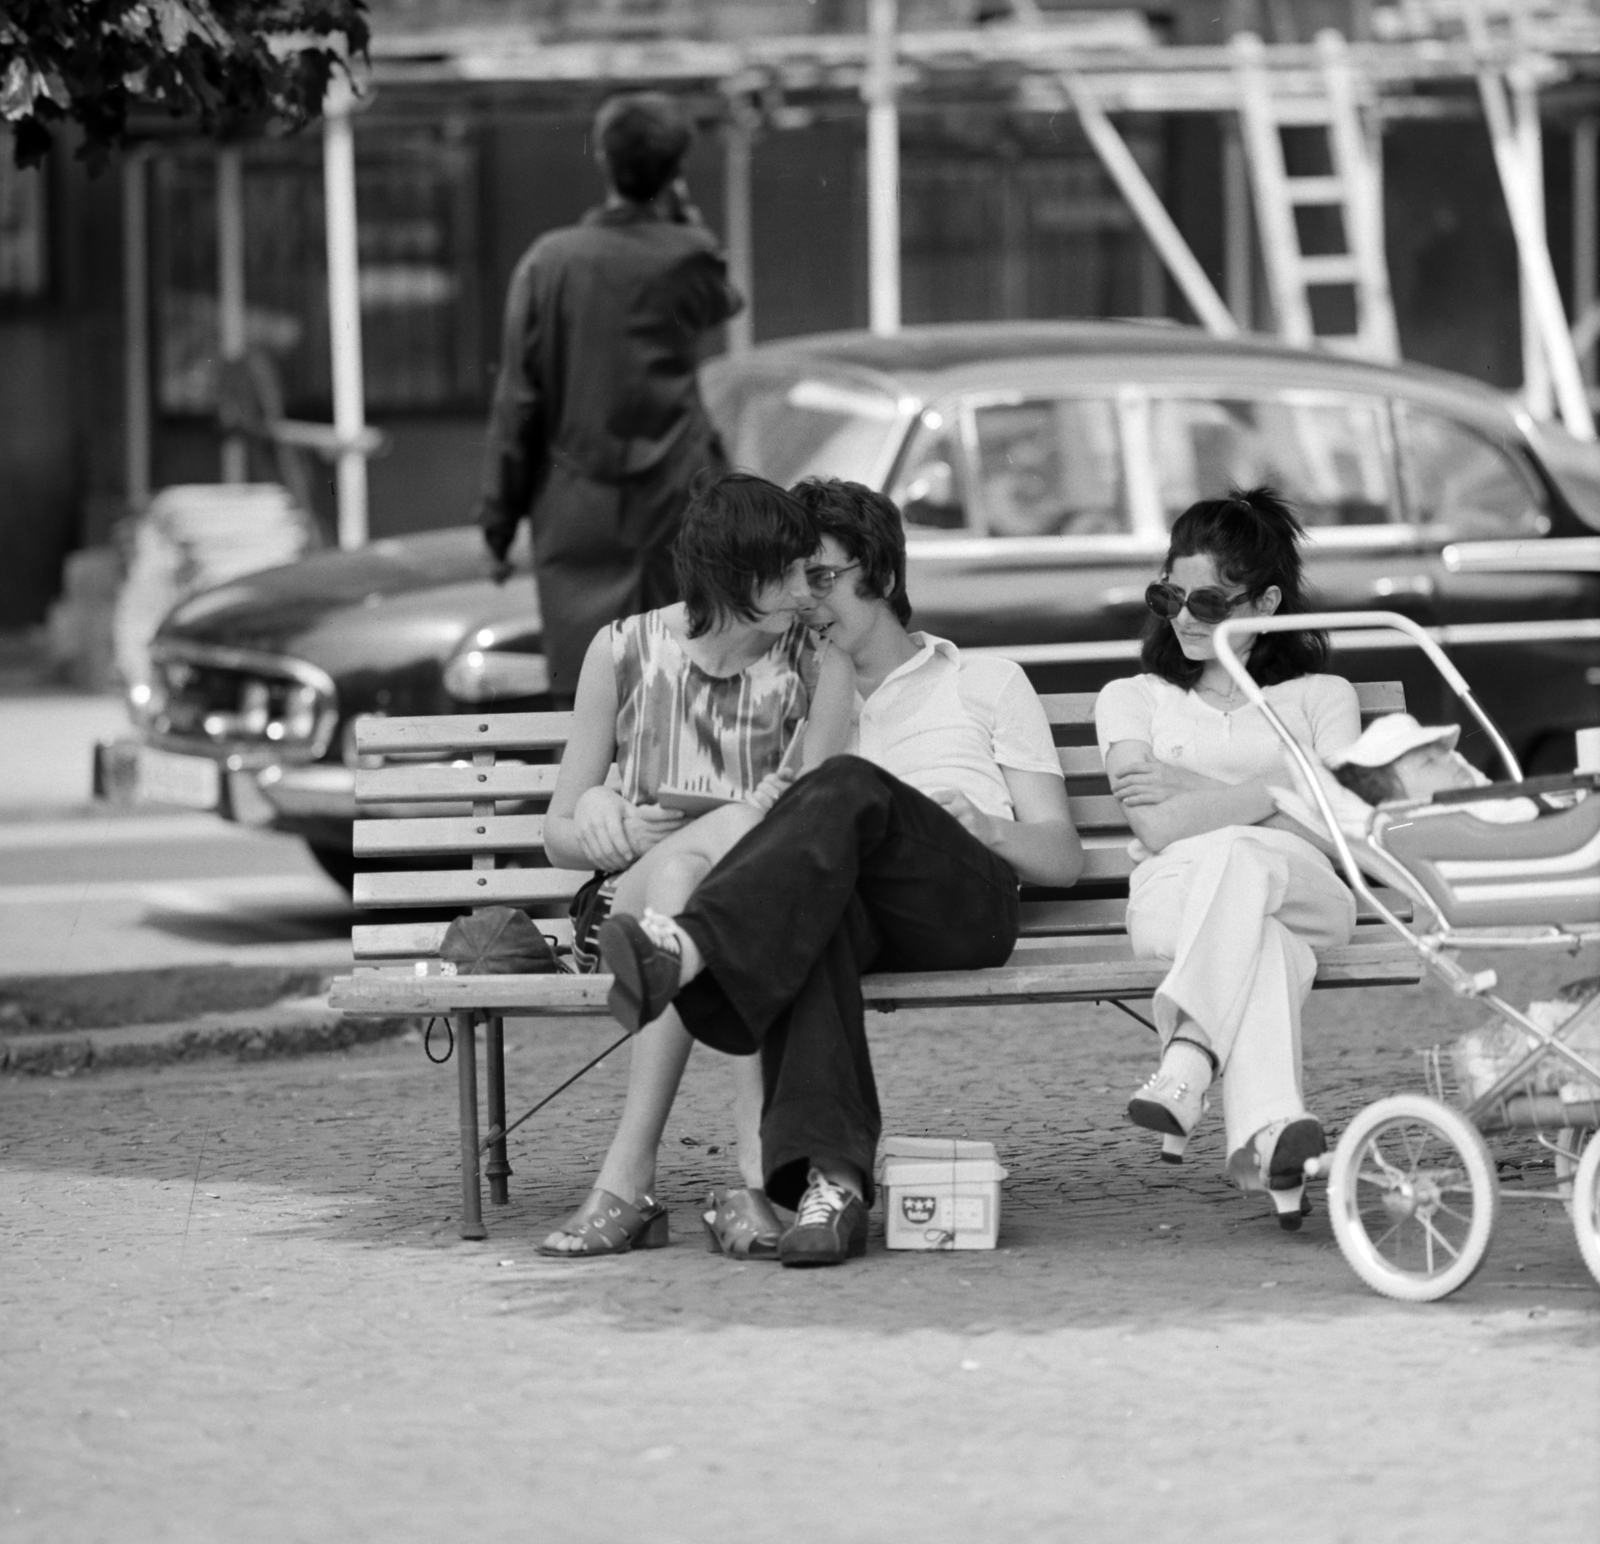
(680, 727)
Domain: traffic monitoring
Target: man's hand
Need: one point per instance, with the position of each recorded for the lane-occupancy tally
(680, 205)
(648, 825)
(600, 822)
(1148, 782)
(972, 820)
(498, 541)
(767, 792)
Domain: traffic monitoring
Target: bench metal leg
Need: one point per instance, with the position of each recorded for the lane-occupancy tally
(497, 1169)
(467, 1079)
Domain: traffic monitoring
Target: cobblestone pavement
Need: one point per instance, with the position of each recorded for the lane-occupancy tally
(234, 1306)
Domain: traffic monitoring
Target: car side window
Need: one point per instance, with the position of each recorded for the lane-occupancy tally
(928, 489)
(1329, 459)
(1459, 481)
(1051, 467)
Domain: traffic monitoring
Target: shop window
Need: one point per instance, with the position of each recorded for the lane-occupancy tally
(24, 274)
(422, 332)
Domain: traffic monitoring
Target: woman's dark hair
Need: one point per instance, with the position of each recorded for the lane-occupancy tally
(1254, 540)
(868, 526)
(1372, 785)
(643, 137)
(740, 532)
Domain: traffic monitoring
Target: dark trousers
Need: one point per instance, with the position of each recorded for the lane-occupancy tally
(851, 871)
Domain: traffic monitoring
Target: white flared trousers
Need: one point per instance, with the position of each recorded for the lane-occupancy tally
(1238, 912)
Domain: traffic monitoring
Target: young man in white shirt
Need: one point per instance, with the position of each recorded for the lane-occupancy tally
(904, 856)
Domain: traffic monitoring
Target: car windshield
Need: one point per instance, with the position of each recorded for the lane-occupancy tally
(790, 426)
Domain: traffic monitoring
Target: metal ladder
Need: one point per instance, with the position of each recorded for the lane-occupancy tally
(1353, 187)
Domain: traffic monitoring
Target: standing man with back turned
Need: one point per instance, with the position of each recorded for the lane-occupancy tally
(597, 427)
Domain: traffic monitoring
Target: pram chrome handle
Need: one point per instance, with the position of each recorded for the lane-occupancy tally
(1351, 621)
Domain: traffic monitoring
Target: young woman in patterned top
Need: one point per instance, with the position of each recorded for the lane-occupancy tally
(728, 694)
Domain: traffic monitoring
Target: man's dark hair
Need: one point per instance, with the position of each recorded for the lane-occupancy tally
(740, 532)
(643, 137)
(1372, 785)
(868, 526)
(1254, 539)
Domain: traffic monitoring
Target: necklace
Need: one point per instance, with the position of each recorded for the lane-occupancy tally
(1224, 699)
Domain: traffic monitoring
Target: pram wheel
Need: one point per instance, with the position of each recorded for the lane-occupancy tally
(1586, 1205)
(1412, 1197)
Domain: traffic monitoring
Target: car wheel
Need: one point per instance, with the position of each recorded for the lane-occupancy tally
(337, 863)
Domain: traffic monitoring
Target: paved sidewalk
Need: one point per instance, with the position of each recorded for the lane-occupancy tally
(234, 1306)
(46, 745)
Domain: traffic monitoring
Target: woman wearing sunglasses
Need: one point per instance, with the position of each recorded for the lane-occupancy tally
(1232, 893)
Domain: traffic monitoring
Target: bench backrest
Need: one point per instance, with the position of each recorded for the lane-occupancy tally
(472, 788)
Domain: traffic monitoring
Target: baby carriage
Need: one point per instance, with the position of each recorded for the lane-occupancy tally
(1412, 1189)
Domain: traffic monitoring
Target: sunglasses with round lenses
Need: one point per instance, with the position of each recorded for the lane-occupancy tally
(820, 577)
(1208, 605)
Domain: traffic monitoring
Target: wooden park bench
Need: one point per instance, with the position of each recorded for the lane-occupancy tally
(471, 787)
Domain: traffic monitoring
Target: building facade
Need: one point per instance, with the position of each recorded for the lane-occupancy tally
(1005, 213)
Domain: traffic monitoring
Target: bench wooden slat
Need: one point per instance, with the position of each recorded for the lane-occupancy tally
(414, 941)
(442, 783)
(464, 834)
(468, 887)
(462, 732)
(1097, 812)
(1079, 976)
(449, 834)
(1106, 857)
(1069, 710)
(1042, 922)
(1082, 761)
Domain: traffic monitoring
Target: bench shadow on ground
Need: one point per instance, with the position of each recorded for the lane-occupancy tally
(1095, 1230)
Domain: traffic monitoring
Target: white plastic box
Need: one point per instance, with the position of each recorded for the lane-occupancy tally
(939, 1193)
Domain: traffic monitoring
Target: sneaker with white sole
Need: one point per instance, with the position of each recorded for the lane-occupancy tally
(830, 1225)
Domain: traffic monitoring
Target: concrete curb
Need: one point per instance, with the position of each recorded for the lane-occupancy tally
(158, 995)
(294, 1027)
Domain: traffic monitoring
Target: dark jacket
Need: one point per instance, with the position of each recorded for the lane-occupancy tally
(597, 426)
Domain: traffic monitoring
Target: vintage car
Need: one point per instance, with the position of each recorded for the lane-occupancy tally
(1038, 466)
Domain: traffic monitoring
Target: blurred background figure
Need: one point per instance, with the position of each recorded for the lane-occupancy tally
(597, 427)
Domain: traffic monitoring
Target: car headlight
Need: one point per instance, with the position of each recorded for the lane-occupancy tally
(485, 675)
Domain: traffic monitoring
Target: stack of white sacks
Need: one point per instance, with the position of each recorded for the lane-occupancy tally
(194, 536)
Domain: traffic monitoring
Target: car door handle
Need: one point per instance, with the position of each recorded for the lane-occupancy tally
(1416, 586)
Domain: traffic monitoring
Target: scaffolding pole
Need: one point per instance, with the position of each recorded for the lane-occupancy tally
(1585, 235)
(1125, 171)
(1238, 249)
(1533, 257)
(136, 329)
(344, 311)
(230, 289)
(1538, 389)
(738, 226)
(883, 169)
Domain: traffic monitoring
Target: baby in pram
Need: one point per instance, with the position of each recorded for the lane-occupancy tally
(1397, 760)
(1490, 862)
